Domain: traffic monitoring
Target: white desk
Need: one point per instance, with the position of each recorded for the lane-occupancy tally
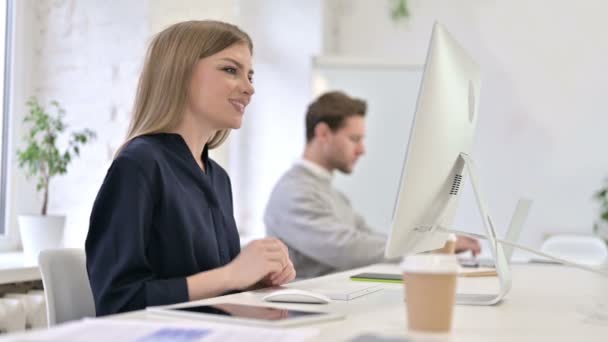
(547, 303)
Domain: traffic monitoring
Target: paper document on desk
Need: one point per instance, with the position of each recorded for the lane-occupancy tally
(94, 330)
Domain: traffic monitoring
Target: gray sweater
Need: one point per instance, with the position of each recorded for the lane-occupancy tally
(319, 226)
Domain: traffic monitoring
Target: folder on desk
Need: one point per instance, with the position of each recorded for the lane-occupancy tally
(478, 272)
(378, 277)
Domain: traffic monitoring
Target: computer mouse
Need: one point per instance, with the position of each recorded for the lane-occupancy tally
(296, 296)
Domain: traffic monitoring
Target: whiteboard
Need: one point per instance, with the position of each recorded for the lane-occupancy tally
(390, 90)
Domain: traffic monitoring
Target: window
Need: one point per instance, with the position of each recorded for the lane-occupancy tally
(6, 10)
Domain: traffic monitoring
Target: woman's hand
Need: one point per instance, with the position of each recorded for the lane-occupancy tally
(266, 259)
(275, 279)
(262, 262)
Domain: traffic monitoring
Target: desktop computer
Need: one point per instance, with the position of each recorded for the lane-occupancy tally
(443, 128)
(437, 162)
(438, 155)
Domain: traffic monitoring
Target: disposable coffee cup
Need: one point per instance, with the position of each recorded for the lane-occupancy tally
(430, 286)
(449, 247)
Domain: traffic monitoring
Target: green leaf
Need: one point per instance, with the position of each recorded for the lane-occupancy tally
(399, 10)
(41, 158)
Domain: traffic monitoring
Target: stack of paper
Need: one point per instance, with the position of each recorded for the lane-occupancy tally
(94, 330)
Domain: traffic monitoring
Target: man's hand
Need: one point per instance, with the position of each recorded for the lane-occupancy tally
(465, 243)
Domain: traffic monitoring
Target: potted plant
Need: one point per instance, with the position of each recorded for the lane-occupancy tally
(601, 225)
(41, 159)
(399, 10)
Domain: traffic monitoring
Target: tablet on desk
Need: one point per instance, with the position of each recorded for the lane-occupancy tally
(398, 277)
(247, 314)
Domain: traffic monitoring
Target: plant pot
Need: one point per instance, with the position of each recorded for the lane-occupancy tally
(38, 233)
(601, 230)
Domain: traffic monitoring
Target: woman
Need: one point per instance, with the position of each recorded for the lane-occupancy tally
(162, 229)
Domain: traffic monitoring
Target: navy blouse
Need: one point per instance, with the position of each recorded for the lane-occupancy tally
(157, 219)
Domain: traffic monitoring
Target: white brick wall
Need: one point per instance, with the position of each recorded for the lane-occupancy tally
(166, 12)
(88, 57)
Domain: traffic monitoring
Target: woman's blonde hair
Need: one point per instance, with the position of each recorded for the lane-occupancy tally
(162, 92)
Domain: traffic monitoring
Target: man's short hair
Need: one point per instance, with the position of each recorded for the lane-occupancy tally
(333, 108)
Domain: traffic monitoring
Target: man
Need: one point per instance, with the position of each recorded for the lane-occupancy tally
(316, 221)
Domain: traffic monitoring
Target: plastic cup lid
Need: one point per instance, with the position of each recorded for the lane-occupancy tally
(430, 263)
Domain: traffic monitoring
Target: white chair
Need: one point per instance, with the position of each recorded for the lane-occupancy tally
(582, 249)
(66, 285)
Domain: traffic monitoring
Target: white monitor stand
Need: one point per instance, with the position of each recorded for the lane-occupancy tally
(498, 253)
(496, 245)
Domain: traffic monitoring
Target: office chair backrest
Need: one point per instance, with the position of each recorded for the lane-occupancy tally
(66, 285)
(582, 249)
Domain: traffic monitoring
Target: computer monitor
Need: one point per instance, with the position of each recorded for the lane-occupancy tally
(438, 153)
(443, 129)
